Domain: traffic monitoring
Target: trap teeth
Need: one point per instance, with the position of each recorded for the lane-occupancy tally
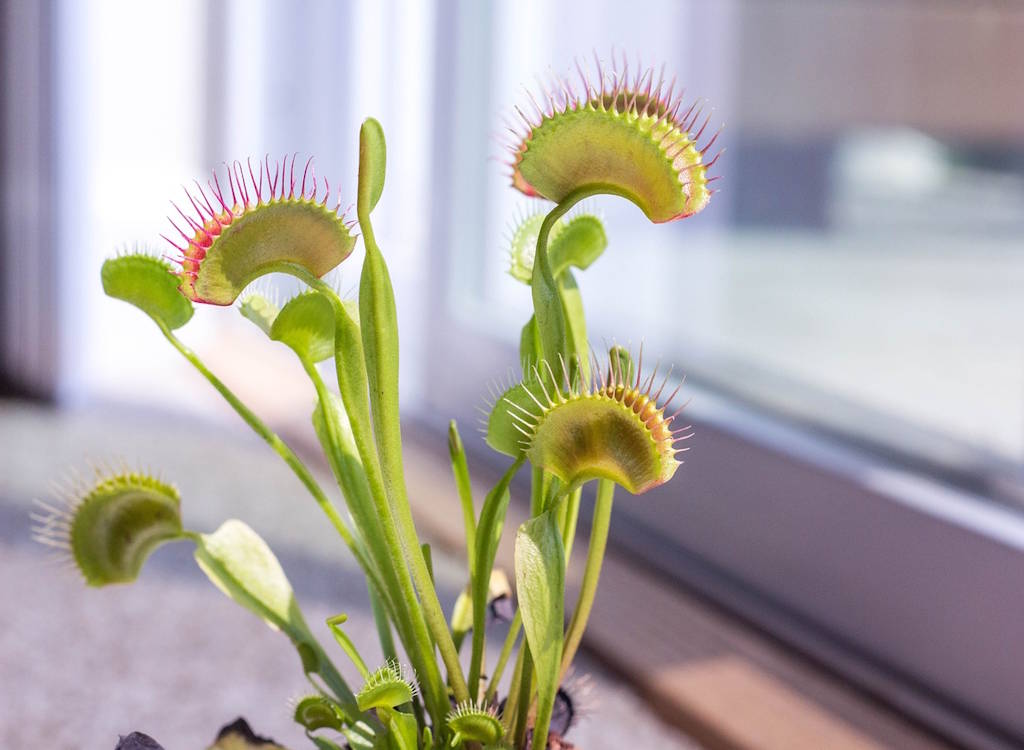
(389, 687)
(475, 723)
(629, 135)
(112, 527)
(609, 427)
(265, 217)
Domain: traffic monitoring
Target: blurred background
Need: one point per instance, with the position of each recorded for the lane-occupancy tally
(849, 312)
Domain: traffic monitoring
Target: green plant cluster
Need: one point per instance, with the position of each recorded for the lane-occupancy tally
(577, 419)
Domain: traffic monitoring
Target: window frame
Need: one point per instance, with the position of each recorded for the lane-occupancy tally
(911, 519)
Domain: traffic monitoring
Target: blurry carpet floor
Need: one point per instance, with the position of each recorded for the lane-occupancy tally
(170, 655)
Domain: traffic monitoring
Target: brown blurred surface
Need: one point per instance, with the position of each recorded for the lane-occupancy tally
(170, 655)
(701, 669)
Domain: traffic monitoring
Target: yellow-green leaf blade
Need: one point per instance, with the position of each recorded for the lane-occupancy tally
(540, 583)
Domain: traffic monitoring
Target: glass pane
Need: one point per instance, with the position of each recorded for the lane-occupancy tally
(862, 268)
(284, 82)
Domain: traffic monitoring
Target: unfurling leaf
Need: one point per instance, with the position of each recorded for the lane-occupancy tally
(372, 164)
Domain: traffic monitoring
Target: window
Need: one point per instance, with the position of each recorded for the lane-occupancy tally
(848, 310)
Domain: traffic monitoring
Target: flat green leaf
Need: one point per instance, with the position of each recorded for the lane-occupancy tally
(149, 284)
(379, 332)
(372, 164)
(334, 431)
(380, 346)
(237, 560)
(540, 583)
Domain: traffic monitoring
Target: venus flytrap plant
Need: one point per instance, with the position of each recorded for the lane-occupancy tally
(578, 419)
(109, 529)
(231, 244)
(380, 341)
(475, 723)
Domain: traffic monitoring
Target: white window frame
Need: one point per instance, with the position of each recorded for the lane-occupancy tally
(906, 585)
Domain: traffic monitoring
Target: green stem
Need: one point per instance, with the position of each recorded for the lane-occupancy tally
(380, 344)
(538, 490)
(547, 301)
(334, 624)
(508, 716)
(351, 477)
(380, 619)
(332, 679)
(506, 652)
(334, 431)
(492, 519)
(523, 702)
(353, 384)
(555, 492)
(572, 514)
(592, 572)
(271, 438)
